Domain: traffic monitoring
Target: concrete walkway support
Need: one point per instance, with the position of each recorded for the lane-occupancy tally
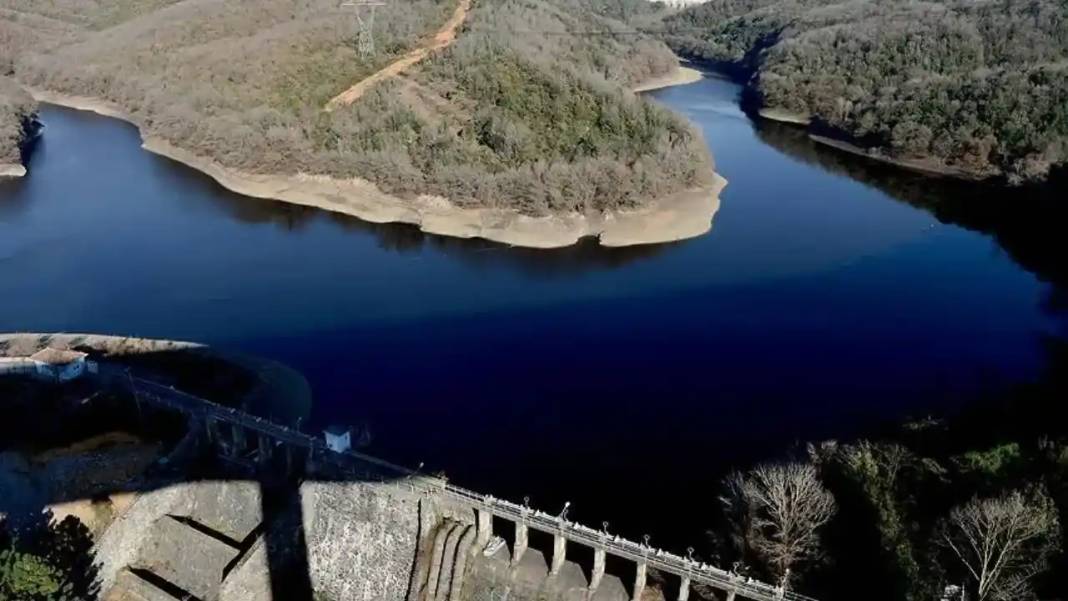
(289, 460)
(639, 581)
(730, 595)
(521, 541)
(238, 440)
(485, 528)
(213, 430)
(598, 570)
(559, 554)
(684, 589)
(264, 444)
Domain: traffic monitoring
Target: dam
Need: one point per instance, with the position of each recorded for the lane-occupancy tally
(356, 527)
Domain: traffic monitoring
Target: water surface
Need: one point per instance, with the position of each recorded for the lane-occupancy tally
(829, 295)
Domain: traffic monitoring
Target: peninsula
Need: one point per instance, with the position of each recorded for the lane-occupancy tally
(461, 120)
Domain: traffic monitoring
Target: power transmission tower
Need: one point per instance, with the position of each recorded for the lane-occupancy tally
(364, 10)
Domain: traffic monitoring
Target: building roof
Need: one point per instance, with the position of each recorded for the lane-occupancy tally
(57, 356)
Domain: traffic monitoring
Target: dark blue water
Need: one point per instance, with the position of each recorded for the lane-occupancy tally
(827, 297)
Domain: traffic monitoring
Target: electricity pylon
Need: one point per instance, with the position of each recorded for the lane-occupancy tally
(364, 10)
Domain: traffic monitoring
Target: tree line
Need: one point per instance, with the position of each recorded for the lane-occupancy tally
(17, 122)
(975, 87)
(971, 506)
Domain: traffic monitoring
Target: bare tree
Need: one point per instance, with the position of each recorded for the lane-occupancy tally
(776, 512)
(1003, 542)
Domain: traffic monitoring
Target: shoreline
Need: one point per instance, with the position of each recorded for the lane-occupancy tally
(681, 76)
(916, 165)
(12, 170)
(781, 116)
(777, 115)
(678, 216)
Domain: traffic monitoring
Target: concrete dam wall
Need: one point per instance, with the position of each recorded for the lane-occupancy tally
(245, 509)
(364, 542)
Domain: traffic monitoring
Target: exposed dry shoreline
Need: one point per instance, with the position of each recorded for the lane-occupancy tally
(682, 215)
(783, 116)
(919, 165)
(682, 75)
(12, 170)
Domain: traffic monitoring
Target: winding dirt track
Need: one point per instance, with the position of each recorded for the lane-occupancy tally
(442, 39)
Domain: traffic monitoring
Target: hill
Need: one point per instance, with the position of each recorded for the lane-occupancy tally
(522, 114)
(977, 89)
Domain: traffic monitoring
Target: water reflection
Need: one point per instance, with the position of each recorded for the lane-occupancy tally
(1026, 221)
(402, 238)
(12, 204)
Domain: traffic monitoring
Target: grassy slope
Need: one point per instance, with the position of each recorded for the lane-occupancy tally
(246, 88)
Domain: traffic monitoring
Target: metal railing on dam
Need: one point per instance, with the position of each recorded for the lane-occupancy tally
(271, 435)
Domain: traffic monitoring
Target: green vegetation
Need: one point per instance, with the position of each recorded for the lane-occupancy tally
(978, 499)
(525, 111)
(47, 560)
(17, 123)
(26, 577)
(971, 87)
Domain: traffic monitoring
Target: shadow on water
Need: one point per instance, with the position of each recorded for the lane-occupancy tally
(12, 204)
(1026, 221)
(404, 238)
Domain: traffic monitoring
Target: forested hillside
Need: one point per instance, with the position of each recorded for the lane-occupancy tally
(16, 121)
(519, 113)
(979, 88)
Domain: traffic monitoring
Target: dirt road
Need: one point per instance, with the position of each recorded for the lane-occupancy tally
(445, 36)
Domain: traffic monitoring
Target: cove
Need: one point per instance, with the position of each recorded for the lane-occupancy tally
(830, 295)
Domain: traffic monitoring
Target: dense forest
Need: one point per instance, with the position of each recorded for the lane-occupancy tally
(974, 88)
(17, 124)
(519, 113)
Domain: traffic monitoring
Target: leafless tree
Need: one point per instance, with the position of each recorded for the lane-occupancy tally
(1003, 542)
(776, 512)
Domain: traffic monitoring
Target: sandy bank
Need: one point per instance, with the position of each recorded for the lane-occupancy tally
(681, 76)
(926, 166)
(678, 216)
(783, 116)
(12, 170)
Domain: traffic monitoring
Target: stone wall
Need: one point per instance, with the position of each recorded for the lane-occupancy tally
(361, 538)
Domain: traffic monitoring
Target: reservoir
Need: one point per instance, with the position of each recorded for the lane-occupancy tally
(830, 296)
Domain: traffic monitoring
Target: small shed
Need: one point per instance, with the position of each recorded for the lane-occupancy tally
(59, 364)
(338, 438)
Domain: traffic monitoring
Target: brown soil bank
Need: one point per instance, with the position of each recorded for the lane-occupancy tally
(678, 216)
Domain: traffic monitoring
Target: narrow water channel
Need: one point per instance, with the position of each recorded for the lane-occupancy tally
(830, 295)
